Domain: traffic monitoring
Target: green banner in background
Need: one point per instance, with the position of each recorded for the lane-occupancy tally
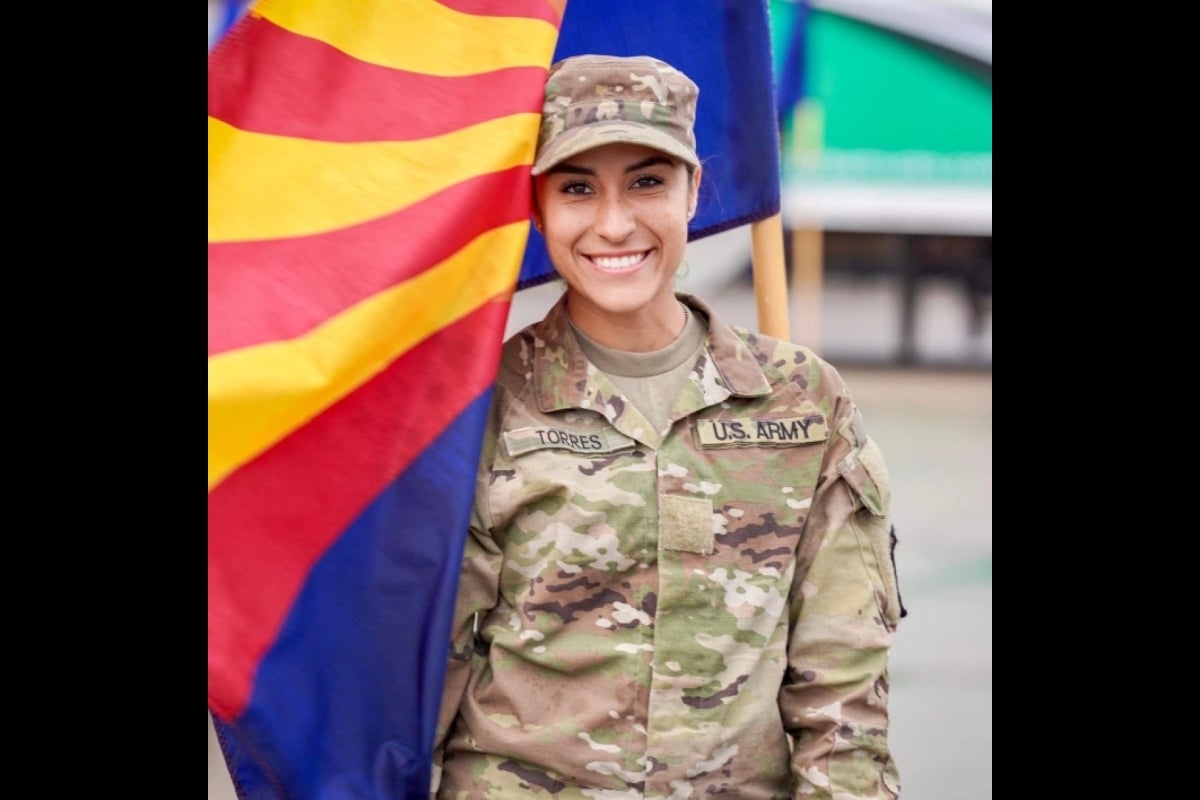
(888, 130)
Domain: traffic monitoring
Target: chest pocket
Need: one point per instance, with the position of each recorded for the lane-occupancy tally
(571, 498)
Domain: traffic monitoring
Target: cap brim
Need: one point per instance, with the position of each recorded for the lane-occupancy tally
(597, 134)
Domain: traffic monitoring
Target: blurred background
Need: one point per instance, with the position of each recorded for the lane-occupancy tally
(887, 223)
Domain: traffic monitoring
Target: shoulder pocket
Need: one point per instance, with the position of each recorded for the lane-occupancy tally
(864, 469)
(866, 473)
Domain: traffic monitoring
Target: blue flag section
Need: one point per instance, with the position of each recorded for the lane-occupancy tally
(725, 47)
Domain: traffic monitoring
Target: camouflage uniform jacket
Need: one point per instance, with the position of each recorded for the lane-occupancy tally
(705, 612)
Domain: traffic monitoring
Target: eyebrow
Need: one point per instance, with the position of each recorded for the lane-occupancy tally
(572, 169)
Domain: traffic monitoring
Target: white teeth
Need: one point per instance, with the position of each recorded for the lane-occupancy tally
(617, 263)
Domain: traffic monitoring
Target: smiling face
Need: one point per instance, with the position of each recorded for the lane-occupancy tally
(615, 221)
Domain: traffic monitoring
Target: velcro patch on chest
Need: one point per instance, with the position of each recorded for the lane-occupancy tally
(762, 432)
(685, 523)
(526, 440)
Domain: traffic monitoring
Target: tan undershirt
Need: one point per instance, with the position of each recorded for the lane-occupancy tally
(650, 381)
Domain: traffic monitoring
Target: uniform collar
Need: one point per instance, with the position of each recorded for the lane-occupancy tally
(564, 378)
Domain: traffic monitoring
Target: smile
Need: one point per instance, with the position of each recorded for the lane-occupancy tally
(619, 262)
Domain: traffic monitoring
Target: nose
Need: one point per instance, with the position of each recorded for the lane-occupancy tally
(614, 218)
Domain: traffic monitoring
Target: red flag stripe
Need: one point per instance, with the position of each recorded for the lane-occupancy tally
(322, 275)
(311, 90)
(549, 10)
(271, 520)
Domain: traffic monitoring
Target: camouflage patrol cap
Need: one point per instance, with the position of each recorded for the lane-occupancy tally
(592, 100)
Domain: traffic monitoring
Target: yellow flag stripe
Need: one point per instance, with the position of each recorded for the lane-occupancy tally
(418, 35)
(258, 395)
(262, 186)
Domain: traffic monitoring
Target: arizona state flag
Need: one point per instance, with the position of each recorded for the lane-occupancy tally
(368, 222)
(368, 208)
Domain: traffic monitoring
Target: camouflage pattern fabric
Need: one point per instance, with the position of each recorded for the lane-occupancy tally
(592, 100)
(703, 613)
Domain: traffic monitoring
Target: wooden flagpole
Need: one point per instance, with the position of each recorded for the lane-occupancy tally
(807, 268)
(770, 277)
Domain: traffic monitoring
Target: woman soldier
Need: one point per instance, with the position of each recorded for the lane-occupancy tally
(678, 580)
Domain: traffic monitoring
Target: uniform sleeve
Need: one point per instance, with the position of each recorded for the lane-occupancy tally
(478, 589)
(845, 605)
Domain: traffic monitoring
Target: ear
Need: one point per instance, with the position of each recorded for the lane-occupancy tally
(694, 192)
(535, 213)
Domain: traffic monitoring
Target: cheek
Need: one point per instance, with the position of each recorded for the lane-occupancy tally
(560, 225)
(676, 227)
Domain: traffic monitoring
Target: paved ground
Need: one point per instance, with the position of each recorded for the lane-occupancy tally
(935, 428)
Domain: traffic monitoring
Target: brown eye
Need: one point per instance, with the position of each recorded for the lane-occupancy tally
(575, 187)
(648, 181)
